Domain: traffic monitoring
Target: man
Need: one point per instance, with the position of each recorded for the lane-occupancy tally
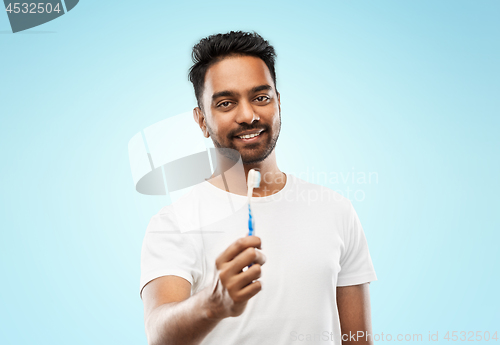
(304, 277)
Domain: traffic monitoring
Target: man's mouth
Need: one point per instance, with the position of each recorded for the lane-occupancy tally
(249, 137)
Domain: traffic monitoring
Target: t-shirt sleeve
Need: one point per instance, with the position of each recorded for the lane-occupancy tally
(356, 265)
(168, 251)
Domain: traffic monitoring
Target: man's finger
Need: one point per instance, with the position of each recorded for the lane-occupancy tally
(237, 247)
(247, 257)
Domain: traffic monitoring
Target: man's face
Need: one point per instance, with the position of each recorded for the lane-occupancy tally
(240, 98)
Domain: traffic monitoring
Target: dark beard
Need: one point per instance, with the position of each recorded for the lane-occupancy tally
(234, 155)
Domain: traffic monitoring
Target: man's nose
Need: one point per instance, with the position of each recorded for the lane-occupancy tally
(246, 113)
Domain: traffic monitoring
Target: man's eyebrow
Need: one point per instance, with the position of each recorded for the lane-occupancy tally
(261, 88)
(232, 94)
(222, 94)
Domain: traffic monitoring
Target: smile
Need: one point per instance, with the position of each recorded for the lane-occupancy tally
(249, 137)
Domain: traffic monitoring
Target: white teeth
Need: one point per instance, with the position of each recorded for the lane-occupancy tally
(248, 136)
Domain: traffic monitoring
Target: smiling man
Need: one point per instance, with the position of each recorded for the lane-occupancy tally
(304, 278)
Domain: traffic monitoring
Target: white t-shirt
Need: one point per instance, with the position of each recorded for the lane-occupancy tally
(311, 237)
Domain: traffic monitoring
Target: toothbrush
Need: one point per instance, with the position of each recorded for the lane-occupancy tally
(253, 181)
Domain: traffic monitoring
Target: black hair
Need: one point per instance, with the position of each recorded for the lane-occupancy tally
(216, 47)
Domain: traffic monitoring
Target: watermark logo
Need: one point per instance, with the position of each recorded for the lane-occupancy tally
(27, 15)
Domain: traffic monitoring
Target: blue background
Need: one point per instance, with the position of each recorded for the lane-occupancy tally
(408, 90)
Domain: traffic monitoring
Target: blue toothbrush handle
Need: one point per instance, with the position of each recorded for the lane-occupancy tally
(250, 225)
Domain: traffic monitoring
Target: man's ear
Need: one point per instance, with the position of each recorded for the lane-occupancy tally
(200, 120)
(279, 102)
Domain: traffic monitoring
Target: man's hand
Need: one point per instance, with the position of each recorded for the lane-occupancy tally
(172, 316)
(232, 288)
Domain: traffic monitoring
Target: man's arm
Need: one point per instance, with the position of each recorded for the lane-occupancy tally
(171, 314)
(353, 303)
(172, 317)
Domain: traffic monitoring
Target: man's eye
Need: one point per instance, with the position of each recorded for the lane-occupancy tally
(262, 98)
(224, 104)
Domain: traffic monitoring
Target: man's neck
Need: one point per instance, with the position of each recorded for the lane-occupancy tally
(233, 178)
